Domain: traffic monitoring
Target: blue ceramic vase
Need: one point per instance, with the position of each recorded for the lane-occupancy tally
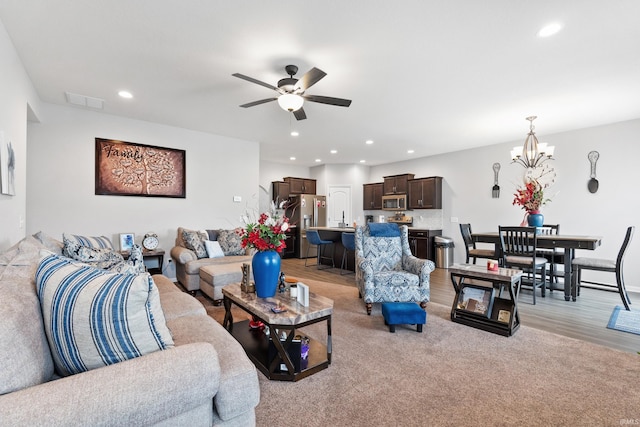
(535, 219)
(266, 271)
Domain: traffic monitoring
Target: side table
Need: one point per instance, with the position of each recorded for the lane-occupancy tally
(486, 311)
(153, 260)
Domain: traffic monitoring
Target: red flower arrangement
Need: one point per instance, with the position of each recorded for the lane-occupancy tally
(531, 197)
(267, 234)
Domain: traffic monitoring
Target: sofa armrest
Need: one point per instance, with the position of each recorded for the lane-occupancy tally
(418, 266)
(182, 255)
(140, 391)
(364, 273)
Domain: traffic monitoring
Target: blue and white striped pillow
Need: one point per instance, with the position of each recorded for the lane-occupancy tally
(95, 242)
(95, 318)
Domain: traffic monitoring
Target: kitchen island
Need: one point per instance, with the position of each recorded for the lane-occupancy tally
(335, 235)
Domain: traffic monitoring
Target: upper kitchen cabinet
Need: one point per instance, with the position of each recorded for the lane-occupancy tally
(280, 191)
(372, 196)
(397, 184)
(301, 185)
(425, 193)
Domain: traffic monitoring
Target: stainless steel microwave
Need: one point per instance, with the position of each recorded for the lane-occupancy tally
(397, 202)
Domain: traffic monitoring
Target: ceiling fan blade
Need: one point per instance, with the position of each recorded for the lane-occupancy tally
(328, 100)
(312, 77)
(258, 82)
(254, 103)
(300, 114)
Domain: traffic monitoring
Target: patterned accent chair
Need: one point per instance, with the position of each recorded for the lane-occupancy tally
(386, 271)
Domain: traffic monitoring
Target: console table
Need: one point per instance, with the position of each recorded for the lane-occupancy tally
(273, 356)
(486, 311)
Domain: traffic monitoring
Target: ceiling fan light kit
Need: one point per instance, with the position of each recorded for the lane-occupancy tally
(292, 91)
(290, 102)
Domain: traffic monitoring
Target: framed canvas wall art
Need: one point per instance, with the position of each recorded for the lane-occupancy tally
(130, 169)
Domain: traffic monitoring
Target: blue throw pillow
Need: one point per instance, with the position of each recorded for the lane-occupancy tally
(384, 229)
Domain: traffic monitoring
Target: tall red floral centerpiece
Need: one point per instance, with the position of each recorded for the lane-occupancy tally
(531, 199)
(267, 236)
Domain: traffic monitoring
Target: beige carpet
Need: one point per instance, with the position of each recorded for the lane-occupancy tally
(449, 375)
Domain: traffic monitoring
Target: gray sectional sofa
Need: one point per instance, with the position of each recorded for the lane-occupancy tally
(205, 379)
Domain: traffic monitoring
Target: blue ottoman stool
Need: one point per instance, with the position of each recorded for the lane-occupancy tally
(403, 313)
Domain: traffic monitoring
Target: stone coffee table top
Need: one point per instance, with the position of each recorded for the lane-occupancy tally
(295, 313)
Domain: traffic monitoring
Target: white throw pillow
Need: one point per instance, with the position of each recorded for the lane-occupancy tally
(213, 249)
(94, 318)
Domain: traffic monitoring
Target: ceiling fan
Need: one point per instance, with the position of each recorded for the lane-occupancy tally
(292, 91)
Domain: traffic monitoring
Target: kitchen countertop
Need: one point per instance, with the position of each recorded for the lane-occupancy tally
(351, 229)
(340, 229)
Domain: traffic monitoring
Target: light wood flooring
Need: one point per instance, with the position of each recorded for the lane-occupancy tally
(585, 319)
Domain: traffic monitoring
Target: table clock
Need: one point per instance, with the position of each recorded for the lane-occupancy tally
(150, 241)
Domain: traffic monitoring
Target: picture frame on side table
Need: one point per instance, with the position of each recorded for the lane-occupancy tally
(126, 241)
(303, 294)
(476, 299)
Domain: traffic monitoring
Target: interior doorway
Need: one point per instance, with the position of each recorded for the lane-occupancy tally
(339, 205)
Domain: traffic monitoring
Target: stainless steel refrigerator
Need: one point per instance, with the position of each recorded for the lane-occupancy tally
(307, 210)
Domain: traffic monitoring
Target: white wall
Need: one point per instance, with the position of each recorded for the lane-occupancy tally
(17, 96)
(61, 173)
(325, 176)
(353, 176)
(270, 172)
(468, 179)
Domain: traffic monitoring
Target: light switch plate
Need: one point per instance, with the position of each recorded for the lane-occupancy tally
(237, 199)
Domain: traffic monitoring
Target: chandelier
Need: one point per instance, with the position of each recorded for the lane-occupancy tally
(533, 153)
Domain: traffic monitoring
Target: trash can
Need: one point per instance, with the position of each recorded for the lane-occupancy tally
(444, 251)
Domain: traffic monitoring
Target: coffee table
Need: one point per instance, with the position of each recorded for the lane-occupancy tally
(273, 357)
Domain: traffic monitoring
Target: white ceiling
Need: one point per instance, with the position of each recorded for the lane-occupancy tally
(432, 76)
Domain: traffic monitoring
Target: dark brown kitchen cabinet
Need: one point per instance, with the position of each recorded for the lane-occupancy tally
(397, 184)
(372, 196)
(421, 243)
(279, 191)
(425, 193)
(301, 185)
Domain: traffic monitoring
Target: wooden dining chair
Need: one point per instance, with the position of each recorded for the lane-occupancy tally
(598, 264)
(519, 250)
(554, 256)
(470, 246)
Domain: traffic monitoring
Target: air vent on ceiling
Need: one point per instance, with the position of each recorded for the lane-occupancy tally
(84, 101)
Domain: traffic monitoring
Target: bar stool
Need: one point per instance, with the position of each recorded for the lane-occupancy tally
(313, 237)
(349, 243)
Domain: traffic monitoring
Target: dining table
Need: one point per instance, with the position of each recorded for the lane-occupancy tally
(548, 241)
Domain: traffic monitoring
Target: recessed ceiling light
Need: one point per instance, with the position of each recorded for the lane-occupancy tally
(362, 161)
(294, 133)
(549, 30)
(292, 158)
(369, 141)
(125, 94)
(318, 160)
(333, 151)
(410, 151)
